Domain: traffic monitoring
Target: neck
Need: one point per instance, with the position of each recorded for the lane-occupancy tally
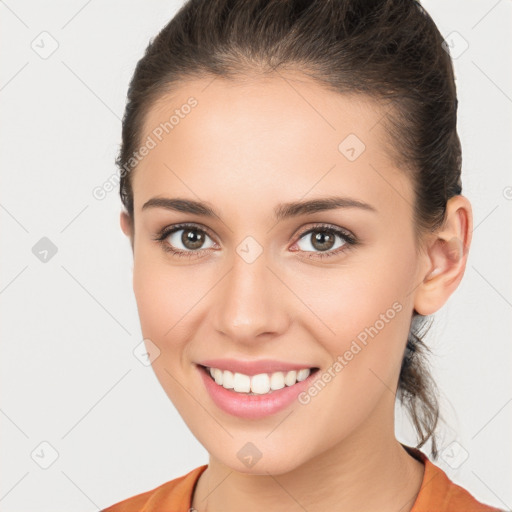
(362, 473)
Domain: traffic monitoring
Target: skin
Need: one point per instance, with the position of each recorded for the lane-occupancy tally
(248, 146)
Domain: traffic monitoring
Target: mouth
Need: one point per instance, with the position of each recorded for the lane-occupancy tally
(260, 384)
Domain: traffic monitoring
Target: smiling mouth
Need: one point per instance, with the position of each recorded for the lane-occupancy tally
(261, 384)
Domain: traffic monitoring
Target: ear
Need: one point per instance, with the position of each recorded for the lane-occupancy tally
(127, 225)
(446, 255)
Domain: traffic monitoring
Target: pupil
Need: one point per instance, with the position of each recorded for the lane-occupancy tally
(323, 241)
(192, 239)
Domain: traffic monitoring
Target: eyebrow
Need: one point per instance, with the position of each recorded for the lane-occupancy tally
(282, 211)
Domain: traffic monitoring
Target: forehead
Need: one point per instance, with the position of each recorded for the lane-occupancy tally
(268, 137)
(291, 104)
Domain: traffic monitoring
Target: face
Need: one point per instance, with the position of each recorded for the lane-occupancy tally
(327, 287)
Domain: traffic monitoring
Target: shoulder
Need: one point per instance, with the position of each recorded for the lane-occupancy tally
(439, 493)
(173, 495)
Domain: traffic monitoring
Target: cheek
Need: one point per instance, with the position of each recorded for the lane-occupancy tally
(362, 314)
(170, 303)
(164, 294)
(350, 301)
(161, 305)
(154, 300)
(370, 320)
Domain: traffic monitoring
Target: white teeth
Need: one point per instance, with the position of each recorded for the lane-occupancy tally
(217, 375)
(258, 384)
(291, 378)
(241, 383)
(277, 381)
(303, 374)
(228, 380)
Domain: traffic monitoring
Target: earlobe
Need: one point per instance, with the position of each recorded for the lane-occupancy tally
(446, 257)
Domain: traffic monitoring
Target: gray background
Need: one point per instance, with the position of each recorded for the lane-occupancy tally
(69, 323)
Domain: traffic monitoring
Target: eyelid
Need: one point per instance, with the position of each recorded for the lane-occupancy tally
(344, 233)
(168, 230)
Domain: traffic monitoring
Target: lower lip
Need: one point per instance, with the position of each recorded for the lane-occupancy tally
(253, 406)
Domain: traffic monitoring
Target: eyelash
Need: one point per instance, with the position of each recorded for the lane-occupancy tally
(349, 239)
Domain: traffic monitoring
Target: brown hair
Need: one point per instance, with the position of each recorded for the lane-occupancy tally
(390, 50)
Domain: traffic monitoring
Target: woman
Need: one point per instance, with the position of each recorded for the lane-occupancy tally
(291, 183)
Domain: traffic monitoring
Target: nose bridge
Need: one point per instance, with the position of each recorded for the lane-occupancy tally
(248, 302)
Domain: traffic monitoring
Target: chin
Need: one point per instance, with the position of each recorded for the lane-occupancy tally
(275, 464)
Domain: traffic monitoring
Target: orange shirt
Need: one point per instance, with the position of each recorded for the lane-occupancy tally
(437, 493)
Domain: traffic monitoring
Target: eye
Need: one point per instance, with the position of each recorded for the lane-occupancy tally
(321, 241)
(188, 240)
(184, 240)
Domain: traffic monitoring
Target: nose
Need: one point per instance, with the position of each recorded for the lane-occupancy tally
(250, 302)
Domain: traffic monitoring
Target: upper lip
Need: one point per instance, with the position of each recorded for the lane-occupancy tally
(253, 367)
